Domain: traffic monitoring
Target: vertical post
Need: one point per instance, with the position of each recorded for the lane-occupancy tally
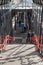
(41, 27)
(24, 20)
(15, 21)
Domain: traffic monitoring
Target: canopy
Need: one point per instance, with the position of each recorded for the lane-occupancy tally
(23, 4)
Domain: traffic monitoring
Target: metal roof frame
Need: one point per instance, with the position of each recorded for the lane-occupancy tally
(25, 4)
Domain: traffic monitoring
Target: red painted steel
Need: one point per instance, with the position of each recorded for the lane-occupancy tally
(6, 39)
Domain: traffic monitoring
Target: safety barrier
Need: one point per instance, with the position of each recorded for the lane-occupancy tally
(35, 40)
(9, 39)
(4, 41)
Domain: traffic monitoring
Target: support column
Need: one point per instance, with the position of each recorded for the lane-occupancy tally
(24, 19)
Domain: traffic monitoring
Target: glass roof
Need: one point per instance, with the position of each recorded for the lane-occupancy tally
(23, 4)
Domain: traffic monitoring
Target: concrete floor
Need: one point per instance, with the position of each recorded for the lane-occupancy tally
(20, 54)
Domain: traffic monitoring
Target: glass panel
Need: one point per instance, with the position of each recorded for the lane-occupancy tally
(36, 20)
